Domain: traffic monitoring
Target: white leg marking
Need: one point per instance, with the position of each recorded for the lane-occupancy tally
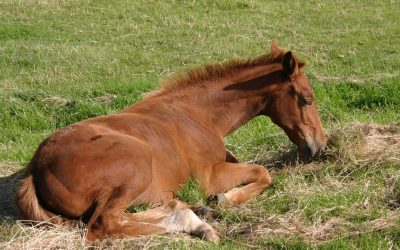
(187, 221)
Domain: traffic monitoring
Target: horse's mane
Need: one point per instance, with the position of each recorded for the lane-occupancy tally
(212, 72)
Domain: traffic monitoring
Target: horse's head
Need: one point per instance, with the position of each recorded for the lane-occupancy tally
(292, 105)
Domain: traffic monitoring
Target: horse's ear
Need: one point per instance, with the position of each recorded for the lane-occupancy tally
(290, 66)
(301, 64)
(275, 49)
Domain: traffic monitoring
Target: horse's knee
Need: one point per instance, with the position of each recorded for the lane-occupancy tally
(262, 175)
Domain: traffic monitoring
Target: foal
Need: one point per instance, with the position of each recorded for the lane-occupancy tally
(95, 169)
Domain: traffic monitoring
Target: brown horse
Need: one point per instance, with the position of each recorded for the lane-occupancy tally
(95, 169)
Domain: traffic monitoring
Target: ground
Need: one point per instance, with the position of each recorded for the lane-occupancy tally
(64, 61)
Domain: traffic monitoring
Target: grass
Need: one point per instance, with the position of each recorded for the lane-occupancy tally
(64, 61)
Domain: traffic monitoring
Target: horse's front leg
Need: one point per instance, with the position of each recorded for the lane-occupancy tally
(226, 176)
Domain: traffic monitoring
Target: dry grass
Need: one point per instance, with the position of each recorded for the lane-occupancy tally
(289, 225)
(357, 146)
(59, 237)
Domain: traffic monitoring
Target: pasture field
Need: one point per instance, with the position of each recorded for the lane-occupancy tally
(64, 61)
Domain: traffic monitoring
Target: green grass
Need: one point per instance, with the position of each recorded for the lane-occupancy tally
(192, 192)
(64, 61)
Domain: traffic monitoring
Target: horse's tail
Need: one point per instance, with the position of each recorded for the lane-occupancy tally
(30, 209)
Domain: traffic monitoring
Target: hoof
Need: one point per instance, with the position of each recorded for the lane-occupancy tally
(206, 232)
(211, 235)
(216, 199)
(207, 212)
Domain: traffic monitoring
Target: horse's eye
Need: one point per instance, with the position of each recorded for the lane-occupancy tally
(306, 101)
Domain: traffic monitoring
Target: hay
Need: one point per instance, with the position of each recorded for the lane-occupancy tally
(365, 144)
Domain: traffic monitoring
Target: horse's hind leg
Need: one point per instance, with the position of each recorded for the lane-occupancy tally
(110, 219)
(176, 216)
(115, 224)
(187, 221)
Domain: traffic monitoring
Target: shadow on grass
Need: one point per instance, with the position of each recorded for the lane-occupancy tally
(8, 189)
(289, 158)
(280, 160)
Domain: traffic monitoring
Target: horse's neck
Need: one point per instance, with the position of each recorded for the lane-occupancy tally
(228, 116)
(234, 102)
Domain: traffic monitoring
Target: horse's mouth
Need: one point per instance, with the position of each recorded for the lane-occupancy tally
(309, 152)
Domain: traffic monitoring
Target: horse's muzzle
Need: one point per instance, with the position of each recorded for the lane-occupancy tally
(311, 149)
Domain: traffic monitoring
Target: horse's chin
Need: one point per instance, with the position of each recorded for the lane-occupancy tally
(308, 154)
(304, 155)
